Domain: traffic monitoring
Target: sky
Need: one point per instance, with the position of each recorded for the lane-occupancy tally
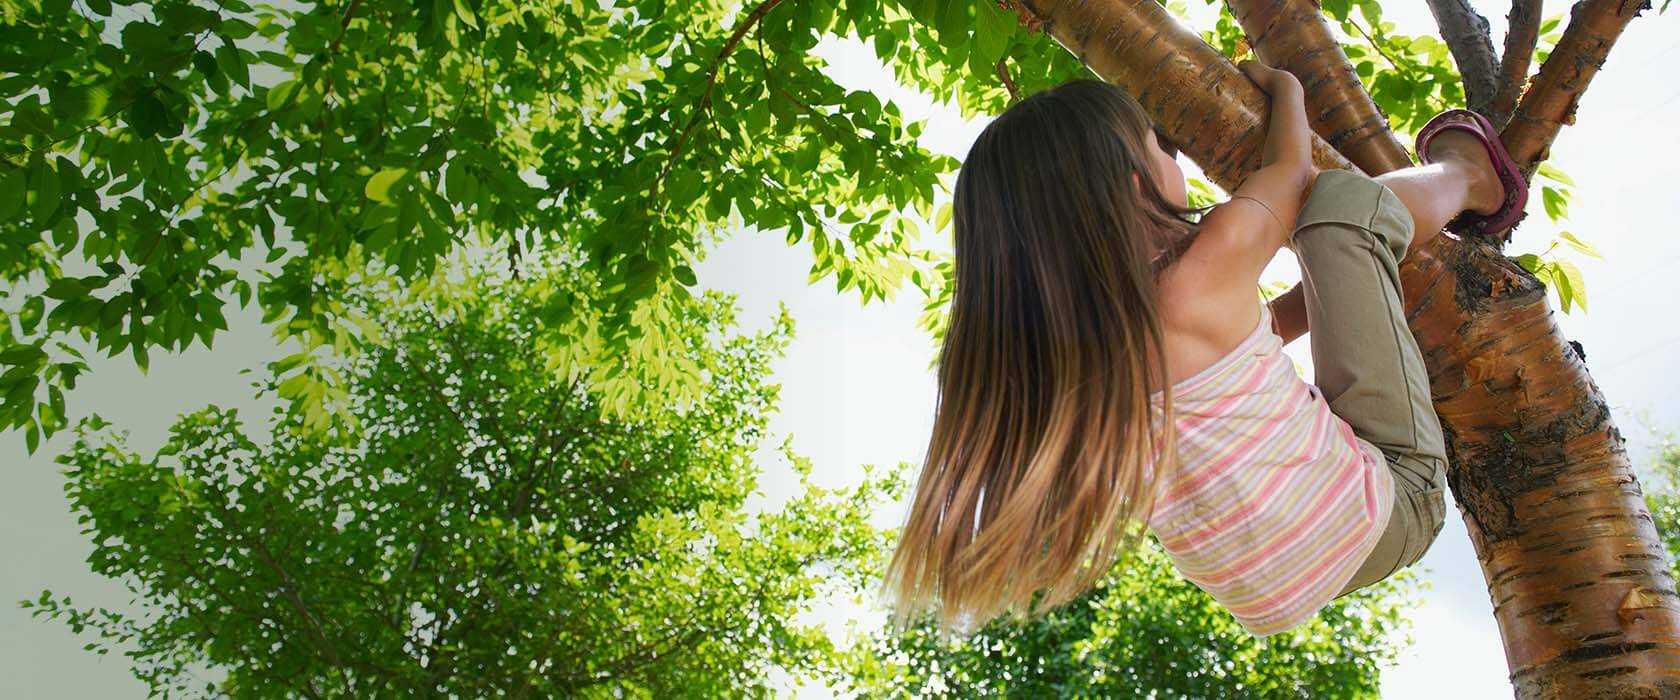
(856, 387)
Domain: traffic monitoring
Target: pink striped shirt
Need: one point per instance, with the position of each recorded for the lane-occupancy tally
(1276, 502)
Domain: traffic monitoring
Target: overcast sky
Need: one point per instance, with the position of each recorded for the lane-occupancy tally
(855, 389)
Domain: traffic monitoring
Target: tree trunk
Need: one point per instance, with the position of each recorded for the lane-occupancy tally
(1580, 582)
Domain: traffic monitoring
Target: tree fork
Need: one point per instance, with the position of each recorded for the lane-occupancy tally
(1294, 36)
(1579, 580)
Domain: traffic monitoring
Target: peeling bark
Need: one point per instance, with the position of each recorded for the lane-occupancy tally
(1580, 582)
(1594, 26)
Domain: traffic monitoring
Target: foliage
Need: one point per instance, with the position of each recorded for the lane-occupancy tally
(154, 143)
(1144, 632)
(148, 147)
(1662, 497)
(493, 531)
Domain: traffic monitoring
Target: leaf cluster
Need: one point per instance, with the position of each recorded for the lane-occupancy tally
(491, 530)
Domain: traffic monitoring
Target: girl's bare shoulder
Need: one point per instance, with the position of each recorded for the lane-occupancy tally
(1201, 318)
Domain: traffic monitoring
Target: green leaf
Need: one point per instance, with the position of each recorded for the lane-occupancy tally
(1578, 244)
(150, 118)
(996, 26)
(953, 22)
(1571, 282)
(466, 13)
(45, 189)
(684, 274)
(1556, 205)
(1528, 261)
(281, 94)
(1551, 173)
(378, 187)
(233, 65)
(12, 187)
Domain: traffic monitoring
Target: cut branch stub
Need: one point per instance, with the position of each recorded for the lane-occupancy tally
(1208, 108)
(1294, 36)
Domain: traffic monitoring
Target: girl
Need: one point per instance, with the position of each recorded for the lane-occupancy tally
(1089, 308)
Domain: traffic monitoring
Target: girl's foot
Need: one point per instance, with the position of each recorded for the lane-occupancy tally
(1462, 136)
(1486, 194)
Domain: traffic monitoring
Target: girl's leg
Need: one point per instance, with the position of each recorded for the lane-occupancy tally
(1461, 177)
(1350, 237)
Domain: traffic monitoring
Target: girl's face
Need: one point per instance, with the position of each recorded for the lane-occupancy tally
(1168, 176)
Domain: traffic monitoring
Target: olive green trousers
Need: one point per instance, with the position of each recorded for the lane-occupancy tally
(1350, 236)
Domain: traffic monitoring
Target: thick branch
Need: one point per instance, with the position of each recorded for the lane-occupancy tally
(1549, 103)
(1466, 34)
(1522, 32)
(1294, 36)
(1204, 105)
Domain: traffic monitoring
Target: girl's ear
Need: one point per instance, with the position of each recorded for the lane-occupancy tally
(1137, 182)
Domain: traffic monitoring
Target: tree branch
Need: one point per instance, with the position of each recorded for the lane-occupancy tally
(1521, 34)
(1197, 97)
(1466, 34)
(1551, 99)
(1008, 83)
(705, 104)
(1293, 35)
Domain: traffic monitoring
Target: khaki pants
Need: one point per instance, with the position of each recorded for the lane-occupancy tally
(1349, 237)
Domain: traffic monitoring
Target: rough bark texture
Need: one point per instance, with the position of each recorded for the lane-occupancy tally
(1579, 580)
(1466, 34)
(1205, 106)
(1550, 101)
(1293, 35)
(1521, 33)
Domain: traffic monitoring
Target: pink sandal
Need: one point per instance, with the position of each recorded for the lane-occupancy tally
(1516, 188)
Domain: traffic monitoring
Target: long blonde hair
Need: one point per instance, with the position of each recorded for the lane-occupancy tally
(1044, 451)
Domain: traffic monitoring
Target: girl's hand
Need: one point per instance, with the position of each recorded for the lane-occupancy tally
(1270, 79)
(1288, 139)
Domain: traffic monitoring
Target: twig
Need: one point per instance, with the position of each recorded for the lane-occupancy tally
(1008, 83)
(711, 81)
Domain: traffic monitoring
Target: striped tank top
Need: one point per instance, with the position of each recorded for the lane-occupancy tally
(1276, 503)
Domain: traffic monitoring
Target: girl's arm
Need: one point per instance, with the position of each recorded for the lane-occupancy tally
(1258, 219)
(1289, 314)
(1239, 238)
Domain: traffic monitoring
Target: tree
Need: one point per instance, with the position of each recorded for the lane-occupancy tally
(1144, 632)
(1579, 579)
(490, 531)
(155, 143)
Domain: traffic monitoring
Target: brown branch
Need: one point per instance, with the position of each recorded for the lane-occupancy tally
(1008, 83)
(1466, 34)
(1521, 34)
(711, 81)
(1293, 35)
(1554, 93)
(1198, 98)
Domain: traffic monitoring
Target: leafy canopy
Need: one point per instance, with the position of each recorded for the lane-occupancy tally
(493, 531)
(1144, 632)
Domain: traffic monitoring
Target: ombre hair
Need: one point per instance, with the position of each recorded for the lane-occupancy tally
(1045, 452)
